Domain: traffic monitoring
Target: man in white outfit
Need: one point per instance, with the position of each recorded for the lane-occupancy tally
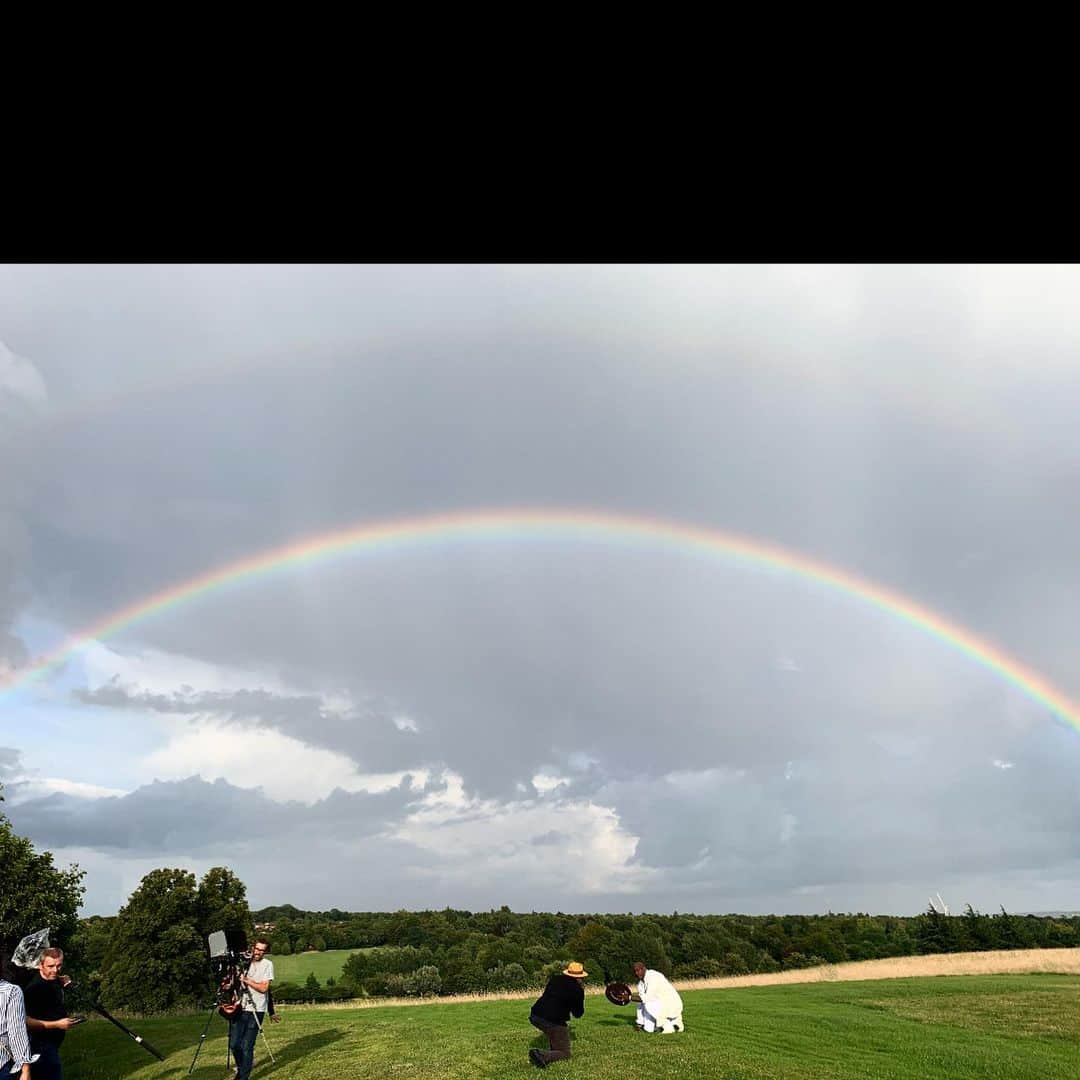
(661, 1007)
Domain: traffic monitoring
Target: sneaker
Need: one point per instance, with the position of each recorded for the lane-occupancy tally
(537, 1058)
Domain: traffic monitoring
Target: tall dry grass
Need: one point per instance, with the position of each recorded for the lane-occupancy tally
(1014, 962)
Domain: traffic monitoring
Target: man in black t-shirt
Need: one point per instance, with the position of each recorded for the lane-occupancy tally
(563, 995)
(46, 1015)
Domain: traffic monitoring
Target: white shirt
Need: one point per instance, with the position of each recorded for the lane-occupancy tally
(259, 971)
(655, 988)
(14, 1041)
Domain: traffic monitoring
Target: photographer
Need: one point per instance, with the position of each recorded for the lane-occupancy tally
(46, 1015)
(245, 1028)
(564, 995)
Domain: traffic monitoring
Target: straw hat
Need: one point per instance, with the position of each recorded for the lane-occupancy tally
(575, 970)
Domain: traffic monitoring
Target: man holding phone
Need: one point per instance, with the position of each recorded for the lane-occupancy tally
(47, 1020)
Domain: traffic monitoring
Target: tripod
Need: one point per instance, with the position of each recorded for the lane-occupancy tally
(202, 1039)
(228, 1043)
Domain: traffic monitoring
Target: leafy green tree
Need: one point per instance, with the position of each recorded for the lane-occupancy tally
(84, 959)
(934, 932)
(221, 903)
(424, 982)
(279, 944)
(155, 960)
(976, 930)
(1010, 931)
(35, 893)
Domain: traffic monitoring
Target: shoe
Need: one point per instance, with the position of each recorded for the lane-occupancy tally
(537, 1058)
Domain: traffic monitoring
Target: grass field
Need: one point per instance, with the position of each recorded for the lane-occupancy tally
(295, 969)
(1010, 1027)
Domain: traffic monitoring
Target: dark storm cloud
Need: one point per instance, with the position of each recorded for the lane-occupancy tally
(191, 816)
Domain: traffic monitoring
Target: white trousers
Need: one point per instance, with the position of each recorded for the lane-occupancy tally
(650, 1017)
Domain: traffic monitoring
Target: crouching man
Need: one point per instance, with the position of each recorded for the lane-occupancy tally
(660, 1007)
(563, 995)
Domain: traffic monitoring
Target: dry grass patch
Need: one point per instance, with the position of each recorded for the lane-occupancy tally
(1013, 962)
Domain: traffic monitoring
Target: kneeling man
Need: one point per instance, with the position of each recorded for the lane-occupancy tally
(661, 1007)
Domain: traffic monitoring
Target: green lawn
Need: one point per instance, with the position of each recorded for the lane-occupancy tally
(295, 969)
(1007, 1027)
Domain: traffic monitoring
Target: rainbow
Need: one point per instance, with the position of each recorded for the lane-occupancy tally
(560, 525)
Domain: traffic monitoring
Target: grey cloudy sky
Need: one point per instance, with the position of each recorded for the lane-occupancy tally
(548, 724)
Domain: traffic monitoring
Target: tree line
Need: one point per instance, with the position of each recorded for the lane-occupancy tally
(151, 957)
(452, 952)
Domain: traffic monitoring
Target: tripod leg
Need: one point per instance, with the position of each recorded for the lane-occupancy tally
(262, 1032)
(202, 1038)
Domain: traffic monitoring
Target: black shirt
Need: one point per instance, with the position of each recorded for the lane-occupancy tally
(562, 996)
(45, 1001)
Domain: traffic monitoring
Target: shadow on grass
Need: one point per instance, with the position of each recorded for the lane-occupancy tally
(618, 1021)
(285, 1054)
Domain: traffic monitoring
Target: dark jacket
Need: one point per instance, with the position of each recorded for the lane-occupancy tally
(45, 1001)
(562, 996)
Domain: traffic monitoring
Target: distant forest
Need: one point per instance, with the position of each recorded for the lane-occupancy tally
(427, 953)
(454, 952)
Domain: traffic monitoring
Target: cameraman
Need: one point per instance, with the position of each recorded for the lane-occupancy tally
(46, 1015)
(245, 1028)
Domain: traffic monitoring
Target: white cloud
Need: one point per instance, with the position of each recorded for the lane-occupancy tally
(158, 672)
(703, 780)
(405, 723)
(37, 787)
(545, 782)
(284, 768)
(999, 764)
(487, 841)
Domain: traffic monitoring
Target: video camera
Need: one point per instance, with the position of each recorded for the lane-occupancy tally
(230, 957)
(228, 947)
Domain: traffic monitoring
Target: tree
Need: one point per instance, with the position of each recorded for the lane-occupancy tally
(35, 893)
(84, 959)
(222, 902)
(423, 982)
(279, 944)
(157, 959)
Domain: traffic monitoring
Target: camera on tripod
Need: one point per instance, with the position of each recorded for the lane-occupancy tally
(230, 958)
